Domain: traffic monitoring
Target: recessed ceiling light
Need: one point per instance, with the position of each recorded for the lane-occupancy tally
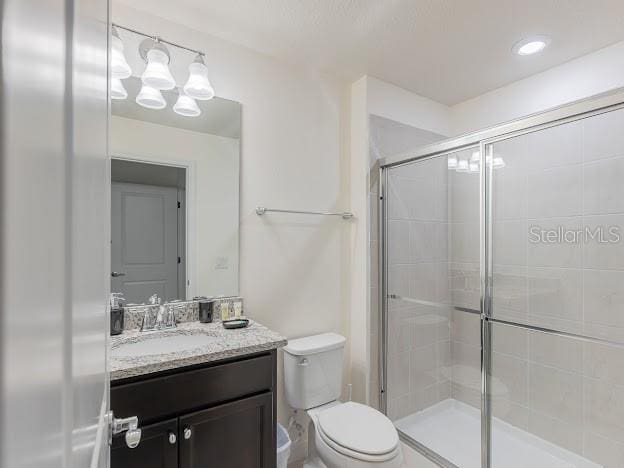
(531, 45)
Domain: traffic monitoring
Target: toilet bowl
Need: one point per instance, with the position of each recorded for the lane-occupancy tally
(341, 435)
(352, 435)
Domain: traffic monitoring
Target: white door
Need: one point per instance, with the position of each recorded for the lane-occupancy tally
(144, 246)
(54, 231)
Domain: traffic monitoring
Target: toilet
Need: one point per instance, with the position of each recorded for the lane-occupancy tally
(341, 435)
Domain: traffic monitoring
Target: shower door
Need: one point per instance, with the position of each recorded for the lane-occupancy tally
(557, 357)
(433, 365)
(503, 294)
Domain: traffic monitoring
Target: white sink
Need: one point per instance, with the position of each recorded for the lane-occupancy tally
(162, 345)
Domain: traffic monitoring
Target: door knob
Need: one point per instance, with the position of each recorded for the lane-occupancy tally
(187, 433)
(128, 425)
(117, 274)
(133, 438)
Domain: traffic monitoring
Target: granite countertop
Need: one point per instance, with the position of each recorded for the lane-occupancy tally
(225, 344)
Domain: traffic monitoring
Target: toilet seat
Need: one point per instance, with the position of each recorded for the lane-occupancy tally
(358, 431)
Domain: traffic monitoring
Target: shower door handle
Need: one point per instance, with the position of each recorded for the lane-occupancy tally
(117, 274)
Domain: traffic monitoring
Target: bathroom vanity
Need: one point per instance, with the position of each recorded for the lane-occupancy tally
(213, 405)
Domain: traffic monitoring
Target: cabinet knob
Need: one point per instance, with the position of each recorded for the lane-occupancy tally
(172, 438)
(187, 433)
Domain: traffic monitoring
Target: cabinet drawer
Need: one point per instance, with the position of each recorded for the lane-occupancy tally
(170, 395)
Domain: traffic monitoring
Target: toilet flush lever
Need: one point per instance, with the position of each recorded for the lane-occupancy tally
(304, 362)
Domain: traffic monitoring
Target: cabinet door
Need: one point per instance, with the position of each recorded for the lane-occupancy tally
(158, 448)
(240, 434)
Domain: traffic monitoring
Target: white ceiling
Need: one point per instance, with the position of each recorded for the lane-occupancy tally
(447, 50)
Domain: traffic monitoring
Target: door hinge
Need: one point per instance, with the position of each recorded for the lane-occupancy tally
(179, 205)
(179, 260)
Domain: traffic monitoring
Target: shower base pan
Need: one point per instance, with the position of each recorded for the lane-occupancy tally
(452, 429)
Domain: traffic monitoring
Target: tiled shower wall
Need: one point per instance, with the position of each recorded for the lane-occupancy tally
(562, 389)
(566, 178)
(387, 138)
(419, 346)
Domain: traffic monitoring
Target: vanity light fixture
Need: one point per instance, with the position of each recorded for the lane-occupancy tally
(117, 89)
(498, 162)
(531, 45)
(151, 98)
(186, 106)
(462, 166)
(119, 66)
(156, 74)
(198, 86)
(452, 162)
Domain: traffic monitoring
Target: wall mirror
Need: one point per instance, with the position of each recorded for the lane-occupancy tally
(174, 198)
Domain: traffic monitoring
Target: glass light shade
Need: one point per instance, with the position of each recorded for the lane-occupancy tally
(198, 86)
(151, 98)
(476, 157)
(119, 66)
(462, 165)
(473, 167)
(157, 74)
(452, 162)
(117, 89)
(186, 106)
(498, 162)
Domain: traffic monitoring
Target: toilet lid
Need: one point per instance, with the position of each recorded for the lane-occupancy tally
(359, 428)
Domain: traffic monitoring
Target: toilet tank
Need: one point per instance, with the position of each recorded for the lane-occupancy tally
(313, 370)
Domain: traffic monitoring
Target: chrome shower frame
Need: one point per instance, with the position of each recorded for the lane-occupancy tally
(483, 139)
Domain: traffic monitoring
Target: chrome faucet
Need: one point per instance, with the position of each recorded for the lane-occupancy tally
(150, 318)
(169, 317)
(158, 316)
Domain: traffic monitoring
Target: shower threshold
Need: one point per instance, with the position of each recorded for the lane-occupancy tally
(452, 429)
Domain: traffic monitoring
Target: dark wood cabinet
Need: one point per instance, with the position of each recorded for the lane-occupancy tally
(158, 449)
(233, 434)
(222, 414)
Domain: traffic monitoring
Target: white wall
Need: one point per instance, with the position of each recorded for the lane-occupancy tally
(214, 191)
(294, 269)
(394, 103)
(595, 73)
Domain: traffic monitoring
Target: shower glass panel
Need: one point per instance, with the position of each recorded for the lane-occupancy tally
(433, 373)
(558, 227)
(556, 400)
(558, 265)
(529, 226)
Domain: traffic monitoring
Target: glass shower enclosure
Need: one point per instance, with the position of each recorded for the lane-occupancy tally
(502, 292)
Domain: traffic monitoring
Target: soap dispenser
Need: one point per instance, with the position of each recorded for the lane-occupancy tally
(116, 313)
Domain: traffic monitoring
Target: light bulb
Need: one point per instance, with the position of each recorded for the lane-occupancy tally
(531, 45)
(157, 74)
(198, 86)
(151, 98)
(452, 162)
(117, 89)
(186, 106)
(476, 157)
(119, 66)
(462, 165)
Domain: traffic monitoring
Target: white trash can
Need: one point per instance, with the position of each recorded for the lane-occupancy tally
(283, 447)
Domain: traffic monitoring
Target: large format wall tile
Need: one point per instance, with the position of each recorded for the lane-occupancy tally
(603, 190)
(603, 136)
